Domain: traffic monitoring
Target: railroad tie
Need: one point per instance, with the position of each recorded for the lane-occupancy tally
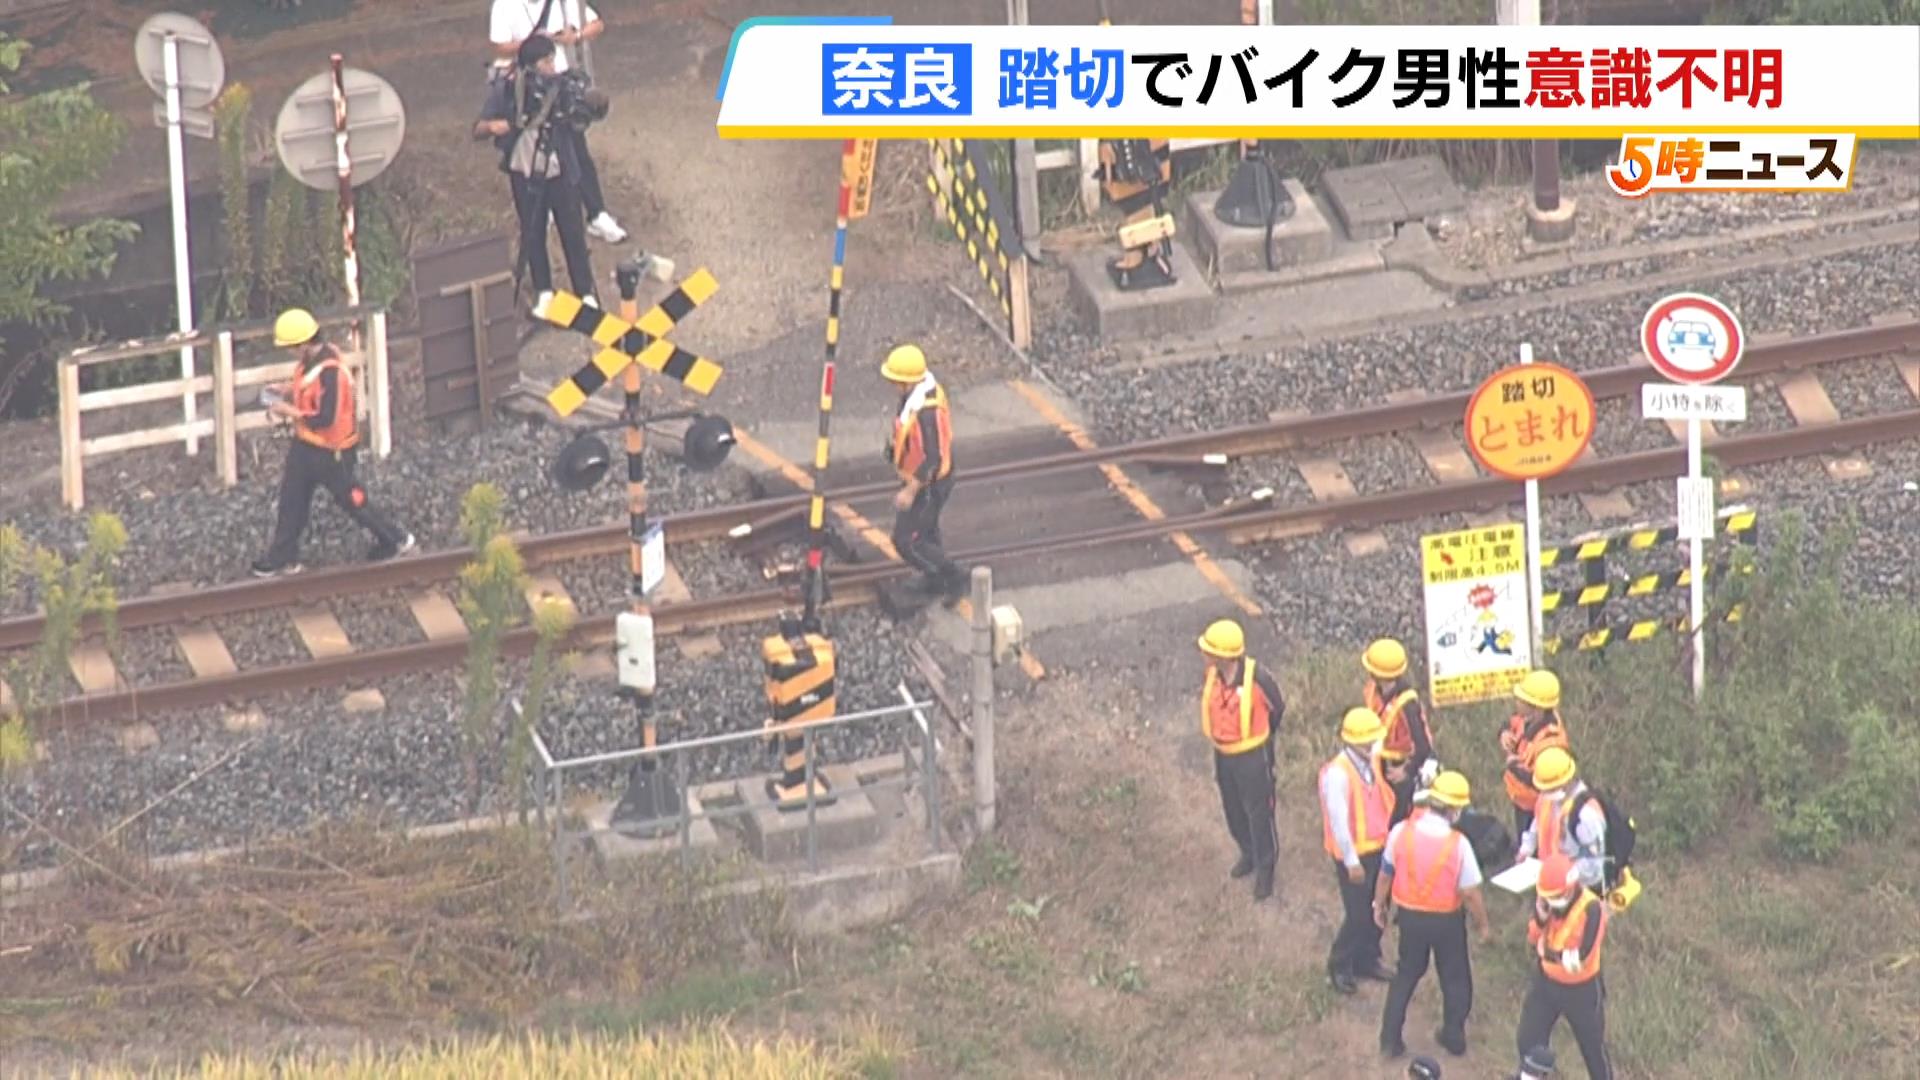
(1609, 505)
(547, 588)
(324, 637)
(1329, 483)
(205, 650)
(1910, 372)
(438, 617)
(1807, 400)
(93, 669)
(673, 590)
(590, 665)
(1444, 458)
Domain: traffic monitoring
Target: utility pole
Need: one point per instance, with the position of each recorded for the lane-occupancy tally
(1549, 220)
(1026, 170)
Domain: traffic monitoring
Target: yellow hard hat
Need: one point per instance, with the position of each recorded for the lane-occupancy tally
(1540, 689)
(295, 326)
(1385, 659)
(906, 364)
(1553, 769)
(1361, 725)
(1451, 789)
(1225, 640)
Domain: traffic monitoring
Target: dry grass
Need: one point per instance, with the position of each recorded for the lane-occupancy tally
(703, 1054)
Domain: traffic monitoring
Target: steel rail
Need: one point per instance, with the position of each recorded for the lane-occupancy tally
(860, 585)
(1761, 360)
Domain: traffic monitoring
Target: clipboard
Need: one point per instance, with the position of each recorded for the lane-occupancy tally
(1519, 877)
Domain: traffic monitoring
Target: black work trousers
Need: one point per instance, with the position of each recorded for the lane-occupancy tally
(1522, 821)
(1403, 795)
(591, 197)
(1356, 947)
(916, 535)
(1246, 794)
(309, 468)
(1442, 938)
(557, 200)
(1585, 1007)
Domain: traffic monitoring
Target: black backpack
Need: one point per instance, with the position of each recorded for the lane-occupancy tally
(1619, 834)
(1491, 840)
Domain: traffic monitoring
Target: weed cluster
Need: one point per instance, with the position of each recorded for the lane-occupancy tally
(70, 592)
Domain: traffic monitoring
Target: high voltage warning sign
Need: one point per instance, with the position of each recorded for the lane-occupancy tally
(642, 342)
(1477, 621)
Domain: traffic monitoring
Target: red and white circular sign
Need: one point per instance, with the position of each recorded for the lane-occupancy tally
(1690, 338)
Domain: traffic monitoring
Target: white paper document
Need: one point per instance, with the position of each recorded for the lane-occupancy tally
(1519, 877)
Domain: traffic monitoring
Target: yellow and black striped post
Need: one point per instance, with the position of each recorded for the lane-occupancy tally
(1598, 587)
(800, 670)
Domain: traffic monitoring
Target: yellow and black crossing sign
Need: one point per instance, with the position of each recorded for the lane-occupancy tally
(1735, 523)
(1633, 631)
(1644, 585)
(643, 341)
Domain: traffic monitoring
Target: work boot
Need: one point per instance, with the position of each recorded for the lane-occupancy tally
(1263, 884)
(1391, 1049)
(1376, 971)
(264, 569)
(1342, 982)
(1242, 868)
(1454, 1044)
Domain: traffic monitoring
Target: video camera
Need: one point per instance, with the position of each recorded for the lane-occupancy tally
(576, 103)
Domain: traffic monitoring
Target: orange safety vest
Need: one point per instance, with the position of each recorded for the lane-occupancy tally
(1234, 724)
(1398, 745)
(1426, 869)
(908, 451)
(1552, 733)
(1550, 824)
(307, 392)
(1563, 932)
(1369, 808)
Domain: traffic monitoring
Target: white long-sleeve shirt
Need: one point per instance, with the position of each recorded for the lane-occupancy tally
(511, 22)
(1584, 839)
(1334, 803)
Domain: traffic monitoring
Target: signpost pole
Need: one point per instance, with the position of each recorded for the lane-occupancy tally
(1697, 593)
(343, 162)
(182, 260)
(1538, 621)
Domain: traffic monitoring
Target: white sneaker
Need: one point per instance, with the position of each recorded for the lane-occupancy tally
(605, 228)
(540, 303)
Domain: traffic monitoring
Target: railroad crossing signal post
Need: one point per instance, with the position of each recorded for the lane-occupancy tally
(630, 342)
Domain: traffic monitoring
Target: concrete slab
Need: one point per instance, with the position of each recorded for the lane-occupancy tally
(1305, 237)
(847, 823)
(1184, 307)
(545, 587)
(1311, 306)
(1101, 600)
(1346, 259)
(1364, 201)
(1370, 200)
(321, 633)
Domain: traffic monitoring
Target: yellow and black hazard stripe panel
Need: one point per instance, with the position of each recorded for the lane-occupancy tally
(1735, 524)
(1629, 631)
(971, 204)
(642, 341)
(1645, 585)
(800, 669)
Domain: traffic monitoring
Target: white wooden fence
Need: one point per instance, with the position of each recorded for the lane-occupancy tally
(373, 404)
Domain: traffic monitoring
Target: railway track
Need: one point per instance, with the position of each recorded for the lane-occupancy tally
(1424, 421)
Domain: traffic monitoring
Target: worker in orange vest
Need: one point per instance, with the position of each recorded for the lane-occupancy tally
(1408, 746)
(1240, 709)
(1535, 725)
(1430, 879)
(318, 401)
(1568, 933)
(921, 451)
(1356, 804)
(1565, 822)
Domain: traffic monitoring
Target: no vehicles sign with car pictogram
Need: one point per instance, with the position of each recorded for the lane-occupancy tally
(1690, 338)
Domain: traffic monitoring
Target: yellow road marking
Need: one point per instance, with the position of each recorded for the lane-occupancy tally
(1140, 501)
(798, 477)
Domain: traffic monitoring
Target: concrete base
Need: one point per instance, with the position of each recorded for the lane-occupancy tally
(847, 898)
(1305, 237)
(1184, 307)
(776, 835)
(610, 844)
(1554, 226)
(1369, 200)
(1345, 260)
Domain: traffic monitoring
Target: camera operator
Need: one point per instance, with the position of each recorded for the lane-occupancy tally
(514, 21)
(533, 115)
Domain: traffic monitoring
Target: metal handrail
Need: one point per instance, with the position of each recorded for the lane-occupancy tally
(614, 756)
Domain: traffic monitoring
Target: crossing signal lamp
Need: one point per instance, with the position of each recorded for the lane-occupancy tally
(586, 460)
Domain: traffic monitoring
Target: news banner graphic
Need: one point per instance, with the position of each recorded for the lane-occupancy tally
(1799, 84)
(1730, 162)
